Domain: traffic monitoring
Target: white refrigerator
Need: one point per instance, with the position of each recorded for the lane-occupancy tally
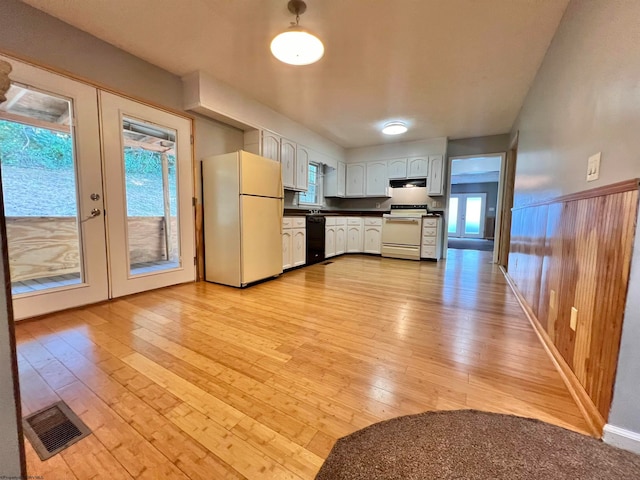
(242, 200)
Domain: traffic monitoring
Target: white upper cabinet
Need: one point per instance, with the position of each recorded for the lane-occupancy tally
(302, 169)
(418, 167)
(334, 181)
(270, 145)
(376, 180)
(355, 180)
(397, 168)
(342, 179)
(288, 160)
(435, 184)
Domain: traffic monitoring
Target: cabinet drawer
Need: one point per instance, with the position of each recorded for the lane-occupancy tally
(429, 232)
(428, 252)
(429, 222)
(341, 221)
(287, 222)
(354, 221)
(299, 222)
(330, 221)
(427, 241)
(373, 221)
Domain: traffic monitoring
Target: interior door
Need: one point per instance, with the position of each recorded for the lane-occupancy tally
(52, 180)
(149, 190)
(467, 215)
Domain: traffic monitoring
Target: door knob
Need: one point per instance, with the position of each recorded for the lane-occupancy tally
(95, 212)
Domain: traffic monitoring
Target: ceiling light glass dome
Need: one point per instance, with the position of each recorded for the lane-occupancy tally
(296, 46)
(394, 128)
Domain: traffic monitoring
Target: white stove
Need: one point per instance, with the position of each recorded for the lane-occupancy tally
(402, 231)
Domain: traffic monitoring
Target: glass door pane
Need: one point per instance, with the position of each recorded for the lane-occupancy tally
(52, 192)
(453, 216)
(149, 158)
(473, 216)
(39, 184)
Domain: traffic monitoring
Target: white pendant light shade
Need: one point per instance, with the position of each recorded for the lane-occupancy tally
(296, 46)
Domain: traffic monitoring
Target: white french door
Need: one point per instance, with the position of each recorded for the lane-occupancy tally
(149, 191)
(467, 215)
(52, 192)
(71, 243)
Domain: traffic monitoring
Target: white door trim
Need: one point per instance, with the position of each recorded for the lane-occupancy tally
(89, 180)
(112, 110)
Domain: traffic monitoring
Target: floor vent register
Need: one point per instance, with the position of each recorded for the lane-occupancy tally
(53, 429)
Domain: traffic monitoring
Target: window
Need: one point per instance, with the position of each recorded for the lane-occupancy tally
(313, 196)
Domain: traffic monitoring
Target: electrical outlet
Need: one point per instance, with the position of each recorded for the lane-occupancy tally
(573, 323)
(593, 167)
(552, 300)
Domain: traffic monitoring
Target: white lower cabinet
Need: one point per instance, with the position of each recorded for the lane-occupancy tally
(372, 235)
(294, 242)
(330, 237)
(299, 253)
(287, 249)
(354, 235)
(431, 245)
(341, 236)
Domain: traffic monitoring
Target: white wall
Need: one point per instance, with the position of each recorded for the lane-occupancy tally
(478, 145)
(387, 151)
(209, 96)
(586, 99)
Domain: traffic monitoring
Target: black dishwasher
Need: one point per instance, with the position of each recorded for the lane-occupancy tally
(315, 239)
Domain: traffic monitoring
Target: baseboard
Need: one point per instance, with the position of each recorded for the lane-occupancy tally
(586, 406)
(621, 438)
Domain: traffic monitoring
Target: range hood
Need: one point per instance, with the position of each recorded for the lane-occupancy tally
(416, 182)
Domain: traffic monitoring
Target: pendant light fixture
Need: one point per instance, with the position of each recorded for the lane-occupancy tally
(296, 46)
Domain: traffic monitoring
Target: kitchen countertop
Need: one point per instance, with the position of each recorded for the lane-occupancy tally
(294, 212)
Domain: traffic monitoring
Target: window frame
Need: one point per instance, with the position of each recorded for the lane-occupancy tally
(319, 185)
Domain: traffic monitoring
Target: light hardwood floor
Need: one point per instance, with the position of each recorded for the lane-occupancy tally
(209, 382)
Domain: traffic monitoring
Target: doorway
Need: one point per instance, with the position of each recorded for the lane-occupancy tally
(70, 154)
(467, 215)
(473, 206)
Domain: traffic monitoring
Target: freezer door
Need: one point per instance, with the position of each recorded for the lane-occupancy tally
(260, 176)
(261, 238)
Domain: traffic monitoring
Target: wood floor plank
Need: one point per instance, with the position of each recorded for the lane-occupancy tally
(204, 381)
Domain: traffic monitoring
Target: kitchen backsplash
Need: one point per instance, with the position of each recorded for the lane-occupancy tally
(417, 195)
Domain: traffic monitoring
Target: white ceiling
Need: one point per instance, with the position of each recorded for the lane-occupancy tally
(456, 68)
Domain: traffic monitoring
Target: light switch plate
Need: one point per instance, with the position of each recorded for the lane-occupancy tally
(593, 167)
(574, 318)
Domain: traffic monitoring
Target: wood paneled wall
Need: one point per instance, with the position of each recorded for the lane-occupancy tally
(42, 247)
(579, 247)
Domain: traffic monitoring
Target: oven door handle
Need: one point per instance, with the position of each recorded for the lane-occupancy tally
(402, 220)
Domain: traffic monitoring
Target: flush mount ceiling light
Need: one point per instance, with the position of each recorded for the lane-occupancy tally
(296, 46)
(394, 128)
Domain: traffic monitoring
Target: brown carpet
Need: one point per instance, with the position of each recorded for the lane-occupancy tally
(470, 445)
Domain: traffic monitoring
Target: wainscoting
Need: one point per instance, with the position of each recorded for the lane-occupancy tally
(575, 251)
